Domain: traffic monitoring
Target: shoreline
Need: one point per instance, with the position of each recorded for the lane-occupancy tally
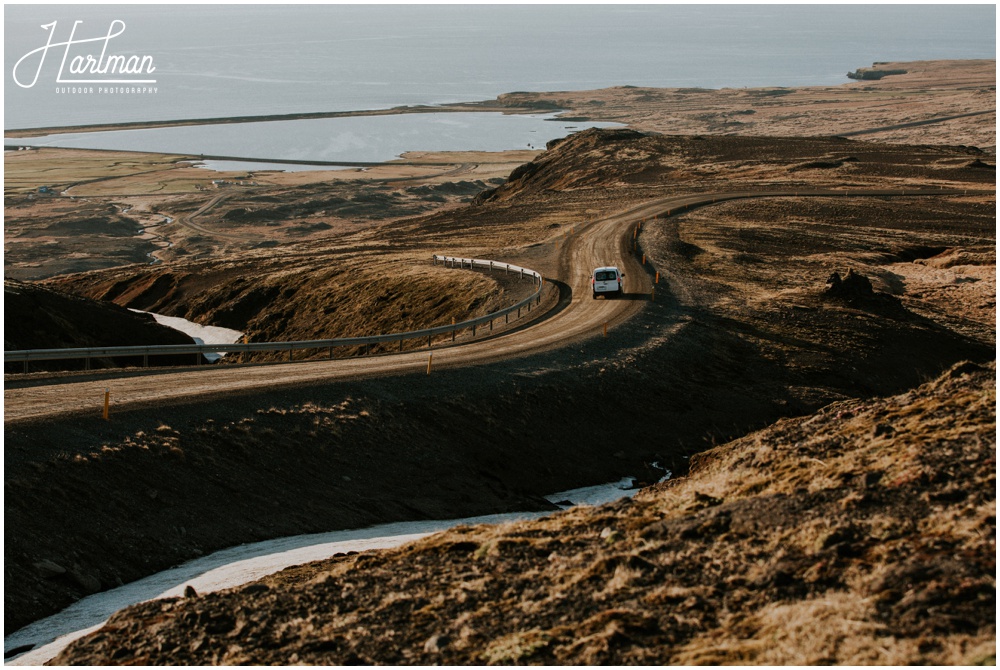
(481, 106)
(197, 158)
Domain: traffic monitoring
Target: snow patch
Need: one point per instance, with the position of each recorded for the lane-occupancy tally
(199, 333)
(238, 565)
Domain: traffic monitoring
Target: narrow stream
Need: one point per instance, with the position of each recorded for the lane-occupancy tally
(40, 641)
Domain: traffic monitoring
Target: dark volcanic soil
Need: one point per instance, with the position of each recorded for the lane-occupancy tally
(864, 534)
(742, 333)
(38, 317)
(55, 235)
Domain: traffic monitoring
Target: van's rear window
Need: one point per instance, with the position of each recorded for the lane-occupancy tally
(607, 275)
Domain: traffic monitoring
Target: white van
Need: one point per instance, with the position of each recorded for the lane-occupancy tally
(607, 280)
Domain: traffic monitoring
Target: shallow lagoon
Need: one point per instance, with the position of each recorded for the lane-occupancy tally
(362, 139)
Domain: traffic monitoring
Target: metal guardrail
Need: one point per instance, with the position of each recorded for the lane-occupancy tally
(30, 355)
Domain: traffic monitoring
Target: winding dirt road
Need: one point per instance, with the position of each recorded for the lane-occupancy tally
(605, 241)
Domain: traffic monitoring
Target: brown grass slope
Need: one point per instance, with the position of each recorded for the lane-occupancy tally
(862, 534)
(280, 299)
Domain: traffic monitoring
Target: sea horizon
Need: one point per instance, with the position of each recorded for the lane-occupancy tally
(161, 62)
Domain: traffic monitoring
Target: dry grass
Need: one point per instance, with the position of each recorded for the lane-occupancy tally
(930, 89)
(134, 173)
(836, 628)
(887, 557)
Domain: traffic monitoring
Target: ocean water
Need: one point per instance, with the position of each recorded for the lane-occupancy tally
(225, 60)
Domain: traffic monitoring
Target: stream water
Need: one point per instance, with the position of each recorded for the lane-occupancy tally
(231, 567)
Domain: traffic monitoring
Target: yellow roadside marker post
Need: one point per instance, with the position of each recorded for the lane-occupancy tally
(652, 295)
(430, 357)
(605, 329)
(107, 402)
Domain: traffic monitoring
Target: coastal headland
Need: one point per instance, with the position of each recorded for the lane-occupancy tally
(815, 366)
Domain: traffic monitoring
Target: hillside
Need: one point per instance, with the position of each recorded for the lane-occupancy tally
(862, 534)
(274, 298)
(378, 279)
(744, 330)
(39, 317)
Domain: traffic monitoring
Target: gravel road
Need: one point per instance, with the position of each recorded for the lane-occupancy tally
(605, 241)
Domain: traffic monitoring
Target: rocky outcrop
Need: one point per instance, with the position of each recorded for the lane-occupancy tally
(856, 290)
(872, 73)
(593, 158)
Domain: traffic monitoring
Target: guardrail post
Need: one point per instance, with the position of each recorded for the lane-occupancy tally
(25, 366)
(145, 360)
